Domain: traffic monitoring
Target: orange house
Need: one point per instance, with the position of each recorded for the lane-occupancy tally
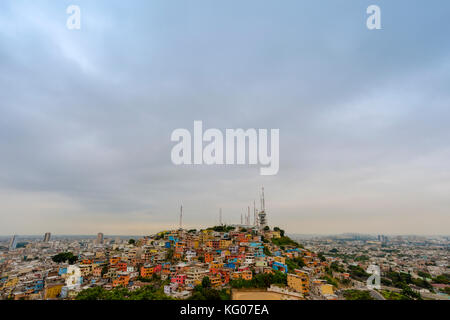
(225, 276)
(216, 280)
(122, 266)
(121, 281)
(147, 271)
(209, 257)
(97, 271)
(215, 266)
(114, 260)
(247, 275)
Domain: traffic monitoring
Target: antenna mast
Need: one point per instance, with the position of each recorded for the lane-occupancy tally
(263, 202)
(181, 217)
(255, 217)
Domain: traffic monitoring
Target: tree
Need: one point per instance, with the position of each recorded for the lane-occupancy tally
(121, 293)
(104, 270)
(261, 280)
(206, 282)
(357, 295)
(65, 256)
(443, 278)
(169, 254)
(131, 241)
(407, 291)
(321, 256)
(285, 241)
(201, 293)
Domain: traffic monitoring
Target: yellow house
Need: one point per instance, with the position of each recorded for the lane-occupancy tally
(299, 283)
(52, 291)
(326, 289)
(276, 234)
(225, 244)
(280, 259)
(11, 283)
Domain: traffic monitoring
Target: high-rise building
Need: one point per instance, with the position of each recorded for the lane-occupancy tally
(13, 243)
(47, 236)
(100, 238)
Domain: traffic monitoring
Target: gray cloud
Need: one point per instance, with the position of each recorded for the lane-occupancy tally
(86, 116)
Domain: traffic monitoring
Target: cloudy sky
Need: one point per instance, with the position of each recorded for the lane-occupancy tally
(86, 115)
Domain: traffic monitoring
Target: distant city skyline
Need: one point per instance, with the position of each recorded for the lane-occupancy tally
(87, 115)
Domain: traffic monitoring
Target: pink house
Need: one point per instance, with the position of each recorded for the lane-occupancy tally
(179, 278)
(157, 268)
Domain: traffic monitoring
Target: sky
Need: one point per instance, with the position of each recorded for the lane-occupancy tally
(86, 115)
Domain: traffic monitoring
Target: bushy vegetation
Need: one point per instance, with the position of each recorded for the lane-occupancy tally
(331, 280)
(205, 292)
(391, 295)
(321, 257)
(358, 273)
(221, 228)
(267, 251)
(446, 290)
(286, 241)
(335, 266)
(362, 258)
(402, 279)
(296, 263)
(121, 293)
(407, 291)
(424, 274)
(263, 280)
(357, 295)
(443, 278)
(65, 256)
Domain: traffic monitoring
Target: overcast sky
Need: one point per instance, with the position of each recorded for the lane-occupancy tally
(86, 115)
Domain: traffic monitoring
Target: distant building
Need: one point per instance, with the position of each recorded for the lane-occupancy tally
(100, 238)
(47, 236)
(13, 243)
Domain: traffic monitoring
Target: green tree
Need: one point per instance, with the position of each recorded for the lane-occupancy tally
(357, 295)
(104, 270)
(206, 282)
(65, 256)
